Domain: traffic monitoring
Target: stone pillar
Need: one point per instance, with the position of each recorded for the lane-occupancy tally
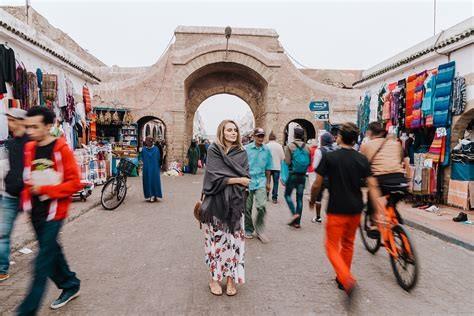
(176, 136)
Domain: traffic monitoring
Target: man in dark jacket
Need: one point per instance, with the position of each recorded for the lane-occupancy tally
(9, 199)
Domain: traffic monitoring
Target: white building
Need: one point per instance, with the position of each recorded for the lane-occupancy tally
(34, 50)
(454, 44)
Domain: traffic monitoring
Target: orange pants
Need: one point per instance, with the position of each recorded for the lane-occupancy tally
(340, 235)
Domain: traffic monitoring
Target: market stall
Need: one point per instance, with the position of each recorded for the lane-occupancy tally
(419, 110)
(116, 127)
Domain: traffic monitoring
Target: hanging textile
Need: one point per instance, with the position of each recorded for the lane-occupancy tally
(68, 110)
(7, 68)
(402, 101)
(93, 126)
(20, 87)
(418, 175)
(363, 113)
(417, 100)
(86, 98)
(32, 95)
(50, 89)
(380, 99)
(8, 64)
(444, 85)
(410, 99)
(386, 106)
(459, 95)
(427, 106)
(436, 151)
(39, 78)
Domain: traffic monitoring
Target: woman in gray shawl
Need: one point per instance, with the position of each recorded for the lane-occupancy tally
(225, 191)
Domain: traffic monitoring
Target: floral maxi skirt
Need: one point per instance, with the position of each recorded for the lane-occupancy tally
(224, 253)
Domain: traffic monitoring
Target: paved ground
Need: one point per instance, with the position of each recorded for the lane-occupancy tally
(148, 259)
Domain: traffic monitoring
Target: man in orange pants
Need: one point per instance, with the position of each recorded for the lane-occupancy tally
(345, 169)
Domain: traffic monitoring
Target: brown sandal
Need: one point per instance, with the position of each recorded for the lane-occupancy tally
(231, 291)
(215, 288)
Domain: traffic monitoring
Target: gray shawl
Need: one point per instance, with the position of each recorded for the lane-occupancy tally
(224, 204)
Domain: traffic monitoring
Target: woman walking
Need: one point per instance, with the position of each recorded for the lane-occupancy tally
(193, 157)
(151, 171)
(224, 190)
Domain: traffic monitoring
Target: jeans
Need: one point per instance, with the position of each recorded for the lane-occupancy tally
(260, 196)
(8, 214)
(50, 263)
(276, 182)
(298, 182)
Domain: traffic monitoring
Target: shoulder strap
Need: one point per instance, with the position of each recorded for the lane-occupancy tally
(378, 150)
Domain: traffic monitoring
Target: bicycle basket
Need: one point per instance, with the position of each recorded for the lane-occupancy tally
(126, 166)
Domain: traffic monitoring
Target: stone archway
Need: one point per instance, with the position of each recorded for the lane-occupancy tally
(308, 127)
(151, 126)
(460, 126)
(224, 78)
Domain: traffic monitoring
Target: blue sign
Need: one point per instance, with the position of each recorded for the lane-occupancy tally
(320, 110)
(319, 106)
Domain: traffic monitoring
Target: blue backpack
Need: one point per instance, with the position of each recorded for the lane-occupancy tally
(300, 160)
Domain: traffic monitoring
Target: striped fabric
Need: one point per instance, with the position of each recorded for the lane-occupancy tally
(410, 99)
(87, 99)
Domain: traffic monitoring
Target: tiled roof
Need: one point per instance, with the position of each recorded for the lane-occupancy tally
(47, 49)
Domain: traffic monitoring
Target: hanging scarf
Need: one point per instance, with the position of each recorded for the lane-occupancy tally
(39, 77)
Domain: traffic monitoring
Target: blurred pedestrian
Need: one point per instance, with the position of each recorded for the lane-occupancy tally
(345, 169)
(151, 171)
(193, 157)
(327, 146)
(51, 178)
(202, 153)
(10, 199)
(224, 190)
(297, 158)
(260, 164)
(277, 157)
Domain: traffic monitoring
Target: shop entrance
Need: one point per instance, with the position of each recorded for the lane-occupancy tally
(309, 131)
(151, 126)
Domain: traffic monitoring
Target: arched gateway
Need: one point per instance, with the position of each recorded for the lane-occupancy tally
(198, 65)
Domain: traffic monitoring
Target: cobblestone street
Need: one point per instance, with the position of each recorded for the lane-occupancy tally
(148, 259)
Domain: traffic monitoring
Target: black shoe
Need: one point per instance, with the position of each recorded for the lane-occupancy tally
(462, 217)
(65, 297)
(339, 284)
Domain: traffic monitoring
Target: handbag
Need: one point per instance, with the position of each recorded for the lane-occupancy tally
(197, 210)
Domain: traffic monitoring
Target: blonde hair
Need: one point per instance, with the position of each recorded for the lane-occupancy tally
(220, 138)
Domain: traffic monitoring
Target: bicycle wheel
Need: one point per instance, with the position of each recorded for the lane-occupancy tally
(113, 193)
(371, 243)
(405, 266)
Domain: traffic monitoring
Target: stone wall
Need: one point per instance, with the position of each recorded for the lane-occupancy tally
(197, 66)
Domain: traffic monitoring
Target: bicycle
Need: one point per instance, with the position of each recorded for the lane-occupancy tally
(391, 234)
(115, 189)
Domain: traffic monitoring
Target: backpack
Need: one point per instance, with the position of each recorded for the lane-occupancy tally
(300, 160)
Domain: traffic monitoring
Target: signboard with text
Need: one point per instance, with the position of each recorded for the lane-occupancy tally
(320, 110)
